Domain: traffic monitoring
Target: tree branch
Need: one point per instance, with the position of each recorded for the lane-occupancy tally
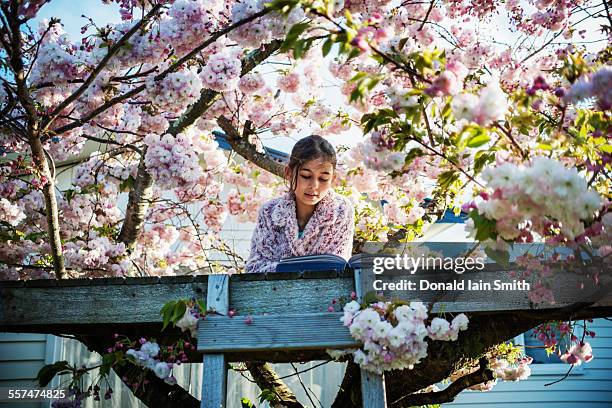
(138, 204)
(39, 157)
(101, 65)
(140, 195)
(156, 394)
(176, 65)
(246, 149)
(266, 378)
(349, 394)
(482, 375)
(485, 331)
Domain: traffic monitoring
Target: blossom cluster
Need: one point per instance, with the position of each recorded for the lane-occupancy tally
(264, 29)
(489, 105)
(176, 91)
(449, 82)
(96, 252)
(577, 354)
(57, 59)
(10, 213)
(393, 337)
(149, 356)
(189, 23)
(250, 83)
(597, 86)
(189, 321)
(543, 197)
(519, 371)
(221, 72)
(376, 152)
(172, 161)
(403, 212)
(553, 334)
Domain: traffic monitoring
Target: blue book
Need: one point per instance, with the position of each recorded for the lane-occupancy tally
(323, 262)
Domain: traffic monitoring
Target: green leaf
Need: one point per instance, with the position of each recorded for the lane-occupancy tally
(127, 184)
(474, 136)
(326, 48)
(481, 159)
(167, 311)
(544, 146)
(446, 111)
(46, 374)
(292, 36)
(605, 148)
(358, 76)
(246, 403)
(69, 195)
(370, 297)
(446, 179)
(499, 255)
(267, 395)
(355, 52)
(478, 139)
(349, 18)
(202, 306)
(284, 6)
(298, 50)
(413, 154)
(179, 311)
(485, 228)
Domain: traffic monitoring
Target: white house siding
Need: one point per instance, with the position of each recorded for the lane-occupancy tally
(322, 382)
(589, 386)
(21, 356)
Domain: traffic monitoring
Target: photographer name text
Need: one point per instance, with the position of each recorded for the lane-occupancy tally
(454, 285)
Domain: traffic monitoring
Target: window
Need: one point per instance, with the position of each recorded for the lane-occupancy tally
(543, 364)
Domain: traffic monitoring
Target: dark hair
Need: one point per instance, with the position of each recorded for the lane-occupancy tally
(311, 147)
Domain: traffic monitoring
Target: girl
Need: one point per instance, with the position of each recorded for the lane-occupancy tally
(311, 218)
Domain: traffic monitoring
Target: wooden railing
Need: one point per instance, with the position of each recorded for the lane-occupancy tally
(290, 321)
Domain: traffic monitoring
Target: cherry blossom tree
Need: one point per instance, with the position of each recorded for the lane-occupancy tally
(518, 134)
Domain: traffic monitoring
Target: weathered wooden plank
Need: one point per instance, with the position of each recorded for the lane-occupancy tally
(217, 296)
(373, 390)
(287, 297)
(319, 274)
(37, 308)
(213, 389)
(214, 377)
(372, 385)
(273, 332)
(81, 305)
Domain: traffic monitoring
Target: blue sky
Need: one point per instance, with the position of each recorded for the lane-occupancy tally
(70, 13)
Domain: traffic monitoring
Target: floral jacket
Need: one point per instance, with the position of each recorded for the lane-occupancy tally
(329, 231)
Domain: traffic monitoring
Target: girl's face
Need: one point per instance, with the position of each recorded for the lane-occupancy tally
(314, 180)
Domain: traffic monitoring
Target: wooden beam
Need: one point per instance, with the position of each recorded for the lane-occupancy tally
(274, 332)
(373, 393)
(48, 306)
(80, 304)
(214, 376)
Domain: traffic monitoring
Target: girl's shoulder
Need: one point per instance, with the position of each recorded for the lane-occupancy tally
(339, 202)
(333, 209)
(278, 209)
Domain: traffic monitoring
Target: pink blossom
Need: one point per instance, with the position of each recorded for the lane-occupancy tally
(289, 83)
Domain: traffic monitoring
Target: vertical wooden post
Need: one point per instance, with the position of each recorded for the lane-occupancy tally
(373, 392)
(214, 377)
